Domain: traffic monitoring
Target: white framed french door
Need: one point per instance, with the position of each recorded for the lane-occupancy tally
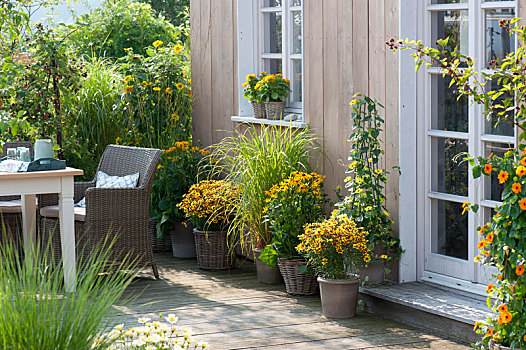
(453, 126)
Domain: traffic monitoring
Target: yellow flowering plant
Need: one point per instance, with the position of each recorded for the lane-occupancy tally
(249, 86)
(210, 205)
(177, 171)
(335, 247)
(290, 204)
(366, 180)
(272, 88)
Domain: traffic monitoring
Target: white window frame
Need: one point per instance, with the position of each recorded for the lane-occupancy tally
(414, 114)
(251, 55)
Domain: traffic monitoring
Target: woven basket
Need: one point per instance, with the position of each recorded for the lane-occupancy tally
(297, 283)
(495, 346)
(212, 250)
(158, 244)
(259, 109)
(274, 110)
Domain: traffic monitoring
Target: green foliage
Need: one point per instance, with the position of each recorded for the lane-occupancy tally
(257, 160)
(177, 172)
(502, 243)
(173, 10)
(157, 96)
(95, 119)
(119, 25)
(290, 204)
(35, 312)
(365, 203)
(272, 88)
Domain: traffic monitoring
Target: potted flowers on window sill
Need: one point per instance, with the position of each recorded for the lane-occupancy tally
(210, 206)
(250, 92)
(290, 204)
(333, 248)
(273, 89)
(176, 173)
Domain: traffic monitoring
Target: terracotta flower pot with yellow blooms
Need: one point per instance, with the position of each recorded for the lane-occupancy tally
(333, 248)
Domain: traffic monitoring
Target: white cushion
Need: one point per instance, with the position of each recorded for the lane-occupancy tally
(52, 212)
(11, 207)
(104, 180)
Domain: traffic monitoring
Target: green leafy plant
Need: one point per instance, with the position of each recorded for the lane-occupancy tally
(334, 247)
(177, 171)
(502, 243)
(272, 88)
(256, 160)
(365, 203)
(290, 204)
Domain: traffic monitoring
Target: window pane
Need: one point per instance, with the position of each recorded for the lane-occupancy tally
(450, 229)
(447, 113)
(449, 174)
(505, 125)
(448, 1)
(453, 24)
(296, 32)
(272, 66)
(272, 3)
(272, 33)
(296, 3)
(297, 78)
(498, 40)
(492, 188)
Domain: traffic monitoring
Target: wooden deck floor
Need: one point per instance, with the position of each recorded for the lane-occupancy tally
(231, 310)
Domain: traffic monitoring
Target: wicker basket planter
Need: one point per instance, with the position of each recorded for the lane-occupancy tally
(212, 250)
(339, 298)
(259, 109)
(495, 346)
(158, 244)
(274, 110)
(297, 283)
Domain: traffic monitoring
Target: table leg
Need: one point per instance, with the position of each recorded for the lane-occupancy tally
(29, 222)
(67, 232)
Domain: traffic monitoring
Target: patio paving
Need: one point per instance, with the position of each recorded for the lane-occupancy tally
(231, 310)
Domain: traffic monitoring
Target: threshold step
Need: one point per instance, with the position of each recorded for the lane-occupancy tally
(445, 312)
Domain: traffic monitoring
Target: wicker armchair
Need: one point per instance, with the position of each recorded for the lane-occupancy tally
(121, 211)
(11, 207)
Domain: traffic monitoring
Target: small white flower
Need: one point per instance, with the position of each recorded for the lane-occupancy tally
(151, 347)
(119, 326)
(172, 319)
(144, 320)
(138, 342)
(204, 345)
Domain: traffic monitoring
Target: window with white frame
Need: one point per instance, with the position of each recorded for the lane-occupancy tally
(270, 39)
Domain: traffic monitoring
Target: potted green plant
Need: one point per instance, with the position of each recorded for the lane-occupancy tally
(250, 92)
(255, 160)
(176, 173)
(292, 203)
(273, 89)
(333, 248)
(210, 205)
(365, 203)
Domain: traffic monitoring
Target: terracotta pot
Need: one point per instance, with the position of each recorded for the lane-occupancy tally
(495, 346)
(212, 250)
(183, 241)
(339, 298)
(267, 274)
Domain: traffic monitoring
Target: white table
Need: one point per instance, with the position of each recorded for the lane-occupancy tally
(38, 182)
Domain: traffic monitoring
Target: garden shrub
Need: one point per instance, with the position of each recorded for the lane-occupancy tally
(118, 25)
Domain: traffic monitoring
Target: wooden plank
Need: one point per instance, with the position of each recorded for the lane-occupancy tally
(205, 94)
(235, 98)
(360, 48)
(217, 73)
(196, 66)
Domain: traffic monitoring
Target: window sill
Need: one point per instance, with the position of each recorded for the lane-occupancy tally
(252, 120)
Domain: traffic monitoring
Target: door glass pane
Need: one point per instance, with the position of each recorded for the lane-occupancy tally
(272, 3)
(492, 188)
(296, 32)
(449, 173)
(505, 125)
(450, 229)
(498, 40)
(272, 32)
(453, 24)
(273, 66)
(297, 78)
(448, 113)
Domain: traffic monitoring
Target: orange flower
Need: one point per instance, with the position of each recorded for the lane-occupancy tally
(483, 228)
(523, 161)
(522, 204)
(503, 176)
(482, 243)
(524, 337)
(488, 168)
(503, 308)
(506, 317)
(490, 287)
(489, 333)
(486, 253)
(521, 170)
(516, 187)
(512, 288)
(519, 270)
(499, 277)
(489, 237)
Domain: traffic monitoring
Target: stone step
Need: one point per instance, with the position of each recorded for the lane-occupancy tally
(443, 311)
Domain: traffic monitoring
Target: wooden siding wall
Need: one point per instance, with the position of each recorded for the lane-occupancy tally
(344, 54)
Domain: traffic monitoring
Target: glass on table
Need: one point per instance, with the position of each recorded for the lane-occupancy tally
(11, 153)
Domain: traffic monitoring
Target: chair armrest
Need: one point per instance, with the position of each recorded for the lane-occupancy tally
(80, 189)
